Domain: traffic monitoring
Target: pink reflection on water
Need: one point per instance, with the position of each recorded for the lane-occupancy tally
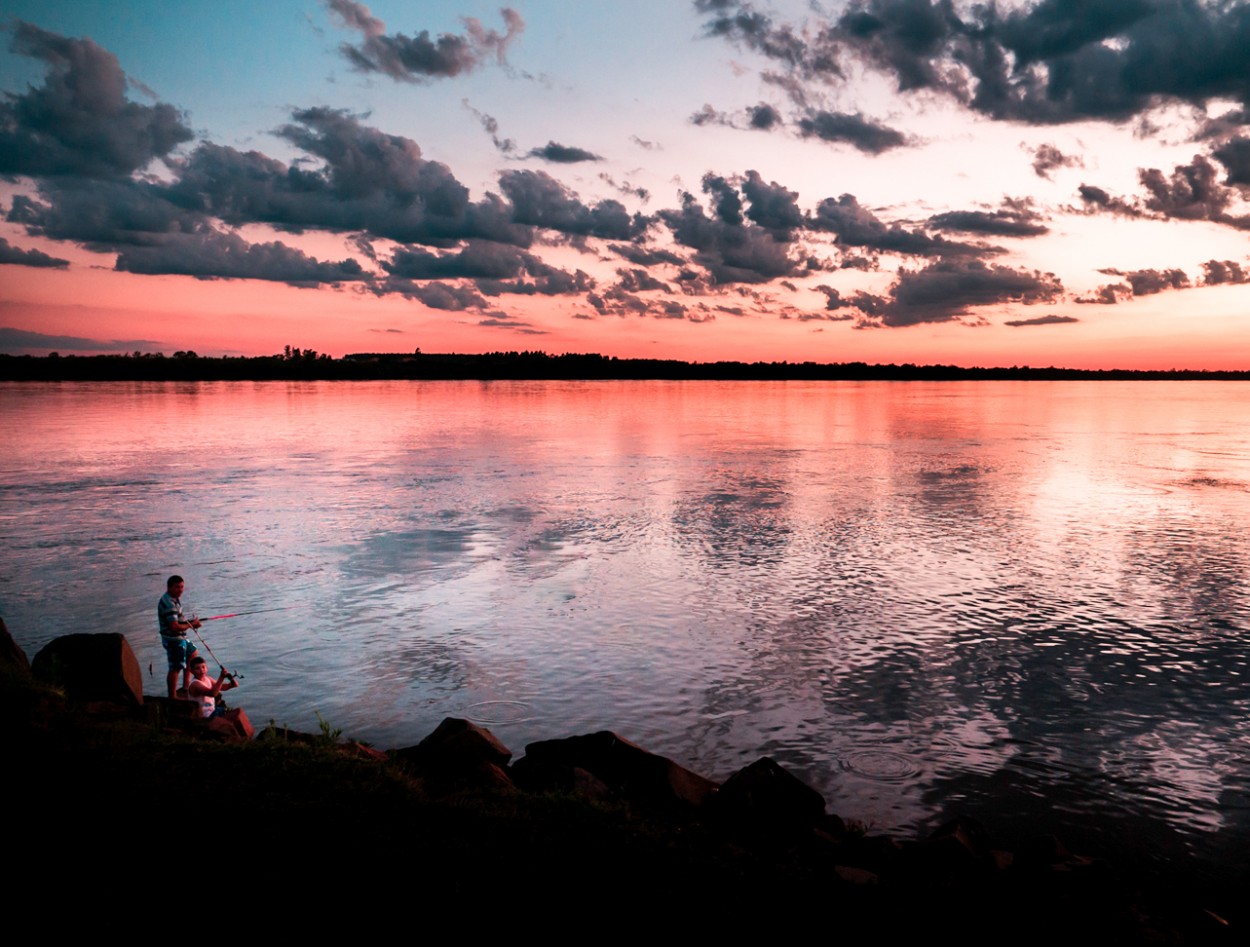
(911, 593)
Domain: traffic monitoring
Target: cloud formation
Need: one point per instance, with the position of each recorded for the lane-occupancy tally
(369, 181)
(1149, 282)
(948, 289)
(1047, 158)
(1216, 272)
(1051, 320)
(1014, 219)
(1191, 192)
(563, 154)
(1050, 62)
(211, 254)
(852, 129)
(733, 246)
(856, 226)
(32, 257)
(79, 122)
(416, 58)
(416, 231)
(15, 341)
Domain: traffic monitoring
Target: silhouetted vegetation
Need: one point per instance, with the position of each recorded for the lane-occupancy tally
(297, 364)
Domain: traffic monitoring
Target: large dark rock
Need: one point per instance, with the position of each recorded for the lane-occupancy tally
(11, 655)
(765, 796)
(625, 768)
(959, 851)
(91, 668)
(232, 726)
(458, 751)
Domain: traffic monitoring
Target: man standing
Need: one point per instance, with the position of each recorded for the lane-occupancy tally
(174, 627)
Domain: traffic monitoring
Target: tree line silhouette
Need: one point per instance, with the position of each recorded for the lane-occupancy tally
(295, 364)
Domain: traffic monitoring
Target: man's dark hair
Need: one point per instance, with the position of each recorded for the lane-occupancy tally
(173, 580)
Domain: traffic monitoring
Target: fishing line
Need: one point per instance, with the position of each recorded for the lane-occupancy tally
(254, 611)
(210, 650)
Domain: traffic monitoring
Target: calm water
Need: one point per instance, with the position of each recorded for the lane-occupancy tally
(919, 596)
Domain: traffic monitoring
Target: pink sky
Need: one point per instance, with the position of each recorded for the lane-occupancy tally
(713, 180)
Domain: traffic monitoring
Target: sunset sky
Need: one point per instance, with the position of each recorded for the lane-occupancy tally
(1053, 183)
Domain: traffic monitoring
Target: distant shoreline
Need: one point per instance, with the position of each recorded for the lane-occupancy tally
(308, 365)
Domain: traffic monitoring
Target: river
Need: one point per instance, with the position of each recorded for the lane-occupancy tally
(1019, 599)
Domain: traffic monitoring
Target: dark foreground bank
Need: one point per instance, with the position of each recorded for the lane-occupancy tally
(124, 814)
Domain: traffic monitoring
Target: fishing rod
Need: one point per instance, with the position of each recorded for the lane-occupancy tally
(232, 676)
(254, 611)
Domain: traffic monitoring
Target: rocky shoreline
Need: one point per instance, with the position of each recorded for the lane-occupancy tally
(572, 822)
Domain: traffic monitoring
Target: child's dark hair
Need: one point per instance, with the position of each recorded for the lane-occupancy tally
(172, 581)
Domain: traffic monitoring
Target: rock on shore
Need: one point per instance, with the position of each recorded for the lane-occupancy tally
(590, 830)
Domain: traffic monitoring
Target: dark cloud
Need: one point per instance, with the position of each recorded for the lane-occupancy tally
(1047, 158)
(1016, 218)
(805, 54)
(1098, 59)
(491, 127)
(1051, 320)
(855, 130)
(102, 215)
(1097, 199)
(820, 317)
(31, 257)
(1226, 125)
(539, 200)
(516, 325)
(641, 256)
(370, 181)
(852, 262)
(763, 117)
(19, 341)
(79, 122)
(617, 302)
(1149, 282)
(563, 154)
(446, 296)
(1216, 272)
(857, 226)
(495, 268)
(629, 190)
(211, 254)
(1235, 156)
(477, 259)
(834, 302)
(1191, 193)
(670, 309)
(772, 206)
(638, 281)
(727, 246)
(710, 116)
(413, 58)
(948, 289)
(554, 282)
(1108, 295)
(1049, 62)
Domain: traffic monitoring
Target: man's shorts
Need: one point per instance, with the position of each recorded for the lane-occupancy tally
(178, 651)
